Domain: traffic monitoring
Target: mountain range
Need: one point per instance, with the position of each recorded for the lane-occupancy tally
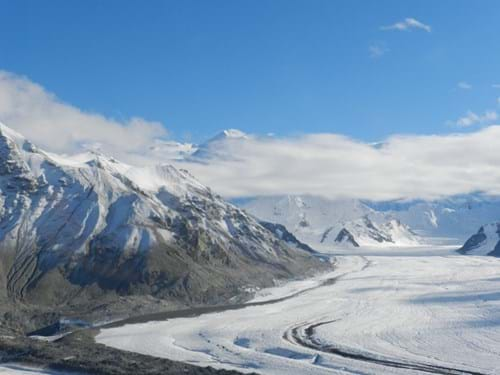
(88, 230)
(323, 222)
(75, 230)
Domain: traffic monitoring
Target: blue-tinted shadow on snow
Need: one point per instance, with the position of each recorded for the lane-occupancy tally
(287, 353)
(242, 342)
(457, 298)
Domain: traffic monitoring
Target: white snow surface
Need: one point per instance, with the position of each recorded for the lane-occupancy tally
(426, 306)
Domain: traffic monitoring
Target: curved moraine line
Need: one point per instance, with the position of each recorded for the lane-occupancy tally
(304, 335)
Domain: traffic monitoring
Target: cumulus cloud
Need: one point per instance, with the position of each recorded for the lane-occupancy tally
(472, 118)
(464, 85)
(402, 167)
(330, 165)
(42, 117)
(408, 24)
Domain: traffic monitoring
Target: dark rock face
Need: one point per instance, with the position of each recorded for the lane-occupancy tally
(375, 233)
(483, 238)
(344, 236)
(283, 234)
(325, 234)
(473, 242)
(496, 251)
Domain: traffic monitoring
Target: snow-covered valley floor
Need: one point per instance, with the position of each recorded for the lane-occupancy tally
(387, 312)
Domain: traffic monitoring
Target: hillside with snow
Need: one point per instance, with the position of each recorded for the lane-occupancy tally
(74, 229)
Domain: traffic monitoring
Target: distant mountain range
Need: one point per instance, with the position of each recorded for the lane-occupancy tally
(322, 222)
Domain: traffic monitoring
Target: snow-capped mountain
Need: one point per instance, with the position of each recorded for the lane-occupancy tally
(485, 242)
(375, 231)
(322, 222)
(75, 228)
(450, 220)
(215, 147)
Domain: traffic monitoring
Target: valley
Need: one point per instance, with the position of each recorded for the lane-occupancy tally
(249, 187)
(160, 270)
(388, 311)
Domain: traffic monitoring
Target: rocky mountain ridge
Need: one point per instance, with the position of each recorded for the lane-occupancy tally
(75, 229)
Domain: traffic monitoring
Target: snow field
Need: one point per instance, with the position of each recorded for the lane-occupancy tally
(442, 310)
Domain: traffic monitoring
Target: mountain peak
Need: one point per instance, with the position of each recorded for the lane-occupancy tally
(212, 149)
(228, 134)
(233, 133)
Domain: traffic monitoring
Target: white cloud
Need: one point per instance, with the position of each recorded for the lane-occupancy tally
(464, 85)
(408, 24)
(496, 85)
(472, 118)
(323, 164)
(402, 167)
(377, 50)
(60, 127)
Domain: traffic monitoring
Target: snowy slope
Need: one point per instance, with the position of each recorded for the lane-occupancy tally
(214, 147)
(90, 222)
(451, 219)
(319, 221)
(485, 242)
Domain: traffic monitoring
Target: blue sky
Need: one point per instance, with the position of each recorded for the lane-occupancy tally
(286, 67)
